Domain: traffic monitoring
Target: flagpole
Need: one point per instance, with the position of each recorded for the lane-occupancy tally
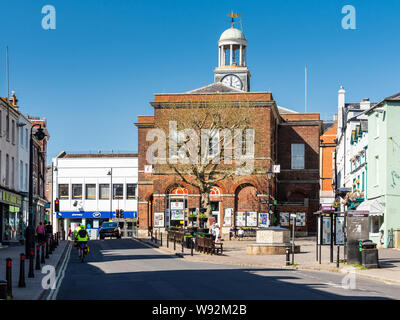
(305, 88)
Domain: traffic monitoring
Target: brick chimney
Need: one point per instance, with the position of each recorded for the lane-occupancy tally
(14, 100)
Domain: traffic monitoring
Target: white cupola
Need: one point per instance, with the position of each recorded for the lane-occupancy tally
(232, 61)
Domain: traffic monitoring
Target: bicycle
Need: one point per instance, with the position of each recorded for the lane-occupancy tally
(83, 250)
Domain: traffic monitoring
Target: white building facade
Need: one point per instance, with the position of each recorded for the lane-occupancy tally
(23, 126)
(11, 219)
(82, 184)
(352, 147)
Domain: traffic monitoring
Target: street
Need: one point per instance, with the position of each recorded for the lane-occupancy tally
(127, 269)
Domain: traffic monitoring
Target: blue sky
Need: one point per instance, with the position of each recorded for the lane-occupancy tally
(94, 74)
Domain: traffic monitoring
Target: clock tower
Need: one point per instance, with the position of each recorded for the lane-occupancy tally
(232, 65)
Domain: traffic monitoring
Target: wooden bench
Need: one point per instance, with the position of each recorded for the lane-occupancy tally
(178, 235)
(208, 246)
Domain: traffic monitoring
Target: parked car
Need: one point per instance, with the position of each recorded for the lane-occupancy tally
(110, 229)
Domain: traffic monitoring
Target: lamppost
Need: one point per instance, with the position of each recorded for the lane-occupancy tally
(270, 175)
(30, 230)
(111, 192)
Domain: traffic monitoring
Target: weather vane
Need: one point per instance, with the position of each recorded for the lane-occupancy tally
(234, 16)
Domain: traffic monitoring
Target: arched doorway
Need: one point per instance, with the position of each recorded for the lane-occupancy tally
(246, 206)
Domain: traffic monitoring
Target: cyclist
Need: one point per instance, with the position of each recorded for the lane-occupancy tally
(81, 237)
(74, 234)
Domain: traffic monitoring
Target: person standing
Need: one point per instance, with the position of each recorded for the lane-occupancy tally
(40, 232)
(216, 232)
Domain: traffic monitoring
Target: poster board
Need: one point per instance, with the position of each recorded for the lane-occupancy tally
(228, 213)
(284, 219)
(326, 230)
(159, 219)
(263, 220)
(177, 214)
(300, 219)
(240, 219)
(357, 229)
(339, 230)
(251, 219)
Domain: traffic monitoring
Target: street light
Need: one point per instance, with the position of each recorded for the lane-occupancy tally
(30, 230)
(270, 175)
(111, 192)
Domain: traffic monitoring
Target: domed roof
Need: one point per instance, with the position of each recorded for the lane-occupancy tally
(232, 34)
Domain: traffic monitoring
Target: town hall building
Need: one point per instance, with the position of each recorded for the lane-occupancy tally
(285, 178)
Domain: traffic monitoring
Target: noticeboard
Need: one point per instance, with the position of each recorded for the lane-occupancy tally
(326, 230)
(159, 219)
(357, 225)
(339, 230)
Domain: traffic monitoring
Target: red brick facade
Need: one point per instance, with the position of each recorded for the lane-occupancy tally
(274, 134)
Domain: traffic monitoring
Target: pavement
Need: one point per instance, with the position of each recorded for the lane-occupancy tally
(34, 289)
(235, 254)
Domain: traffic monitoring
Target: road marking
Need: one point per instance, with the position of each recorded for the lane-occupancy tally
(53, 294)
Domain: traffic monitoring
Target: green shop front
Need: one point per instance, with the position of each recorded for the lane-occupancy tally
(12, 220)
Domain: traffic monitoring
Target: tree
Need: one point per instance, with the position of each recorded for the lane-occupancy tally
(207, 142)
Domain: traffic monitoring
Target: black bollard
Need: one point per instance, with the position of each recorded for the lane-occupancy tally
(9, 277)
(191, 247)
(182, 244)
(47, 249)
(161, 239)
(37, 257)
(50, 246)
(155, 238)
(43, 249)
(31, 256)
(337, 258)
(167, 240)
(21, 282)
(287, 256)
(29, 239)
(174, 243)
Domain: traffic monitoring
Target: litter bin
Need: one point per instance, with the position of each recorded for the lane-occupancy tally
(369, 254)
(3, 289)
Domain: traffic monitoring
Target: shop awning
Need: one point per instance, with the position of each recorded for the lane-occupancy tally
(374, 207)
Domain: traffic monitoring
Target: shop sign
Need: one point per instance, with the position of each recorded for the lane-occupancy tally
(11, 198)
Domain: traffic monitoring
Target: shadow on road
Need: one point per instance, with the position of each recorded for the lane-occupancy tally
(149, 275)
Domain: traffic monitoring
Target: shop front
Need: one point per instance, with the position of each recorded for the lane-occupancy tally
(12, 222)
(93, 220)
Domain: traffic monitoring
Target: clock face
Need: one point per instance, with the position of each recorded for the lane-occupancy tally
(233, 81)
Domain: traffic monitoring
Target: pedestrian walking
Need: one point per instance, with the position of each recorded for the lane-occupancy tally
(69, 233)
(41, 232)
(48, 230)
